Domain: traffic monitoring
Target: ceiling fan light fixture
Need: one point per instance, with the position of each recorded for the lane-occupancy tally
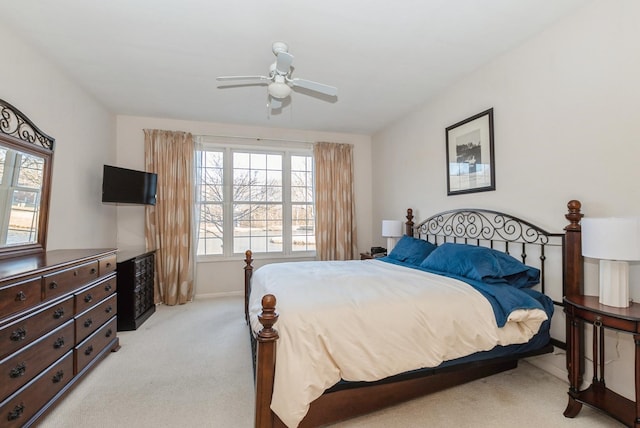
(279, 90)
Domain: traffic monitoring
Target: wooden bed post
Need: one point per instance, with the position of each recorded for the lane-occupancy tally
(574, 285)
(409, 224)
(248, 272)
(266, 362)
(573, 260)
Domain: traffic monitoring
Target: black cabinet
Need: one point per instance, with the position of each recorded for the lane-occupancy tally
(135, 289)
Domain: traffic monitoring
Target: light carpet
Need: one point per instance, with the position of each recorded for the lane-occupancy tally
(190, 366)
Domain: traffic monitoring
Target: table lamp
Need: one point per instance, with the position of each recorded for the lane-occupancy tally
(615, 241)
(391, 229)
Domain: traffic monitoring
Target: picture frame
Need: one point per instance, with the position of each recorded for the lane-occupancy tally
(470, 155)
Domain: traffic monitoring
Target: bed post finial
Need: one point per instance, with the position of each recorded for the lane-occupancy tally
(248, 272)
(574, 215)
(409, 224)
(573, 260)
(266, 362)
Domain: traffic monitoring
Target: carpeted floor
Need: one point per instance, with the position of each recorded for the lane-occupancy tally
(189, 366)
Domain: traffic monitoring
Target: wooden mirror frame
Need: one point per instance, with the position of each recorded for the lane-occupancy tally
(17, 132)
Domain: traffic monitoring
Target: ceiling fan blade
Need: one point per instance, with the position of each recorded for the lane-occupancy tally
(315, 86)
(229, 78)
(283, 62)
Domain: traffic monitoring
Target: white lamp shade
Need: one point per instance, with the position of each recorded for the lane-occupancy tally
(391, 228)
(611, 238)
(614, 241)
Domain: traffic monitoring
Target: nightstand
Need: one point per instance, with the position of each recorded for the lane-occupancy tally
(365, 256)
(581, 309)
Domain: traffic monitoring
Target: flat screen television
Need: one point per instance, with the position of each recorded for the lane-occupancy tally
(128, 186)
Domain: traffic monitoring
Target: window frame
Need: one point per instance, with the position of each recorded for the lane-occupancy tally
(285, 148)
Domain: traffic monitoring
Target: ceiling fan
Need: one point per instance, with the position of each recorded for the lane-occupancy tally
(279, 80)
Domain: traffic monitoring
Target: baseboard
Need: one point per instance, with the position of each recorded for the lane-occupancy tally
(544, 362)
(218, 295)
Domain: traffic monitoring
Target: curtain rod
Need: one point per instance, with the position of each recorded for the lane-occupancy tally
(242, 137)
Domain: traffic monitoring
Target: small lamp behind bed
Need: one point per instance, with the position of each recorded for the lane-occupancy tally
(391, 229)
(615, 241)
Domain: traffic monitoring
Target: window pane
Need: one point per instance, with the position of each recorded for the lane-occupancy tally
(258, 161)
(274, 162)
(210, 229)
(241, 160)
(303, 228)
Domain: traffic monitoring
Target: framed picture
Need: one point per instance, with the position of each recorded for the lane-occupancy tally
(470, 159)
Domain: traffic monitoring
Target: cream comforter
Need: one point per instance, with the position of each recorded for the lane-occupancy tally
(367, 320)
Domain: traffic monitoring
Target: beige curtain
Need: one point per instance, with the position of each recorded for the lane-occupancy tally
(168, 224)
(335, 211)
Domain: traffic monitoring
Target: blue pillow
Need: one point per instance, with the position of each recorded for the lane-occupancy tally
(481, 264)
(411, 250)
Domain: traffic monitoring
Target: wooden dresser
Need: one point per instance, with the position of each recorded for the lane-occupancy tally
(135, 288)
(57, 321)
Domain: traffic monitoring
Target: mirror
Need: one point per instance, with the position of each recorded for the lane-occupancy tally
(26, 154)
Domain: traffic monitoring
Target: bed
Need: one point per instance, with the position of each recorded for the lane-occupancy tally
(400, 338)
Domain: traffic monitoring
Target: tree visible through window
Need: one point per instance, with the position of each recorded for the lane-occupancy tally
(257, 200)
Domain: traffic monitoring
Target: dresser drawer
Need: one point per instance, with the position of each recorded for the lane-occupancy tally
(65, 281)
(90, 296)
(25, 330)
(91, 347)
(18, 409)
(19, 368)
(89, 321)
(107, 265)
(20, 296)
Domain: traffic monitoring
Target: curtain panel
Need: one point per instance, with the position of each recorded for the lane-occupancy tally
(335, 210)
(168, 224)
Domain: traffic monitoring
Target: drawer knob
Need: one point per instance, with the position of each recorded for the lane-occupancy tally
(59, 313)
(107, 287)
(18, 370)
(108, 333)
(19, 334)
(16, 412)
(21, 297)
(109, 309)
(108, 264)
(59, 343)
(53, 285)
(89, 350)
(58, 376)
(93, 271)
(88, 322)
(88, 298)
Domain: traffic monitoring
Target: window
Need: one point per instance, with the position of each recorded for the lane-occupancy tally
(257, 199)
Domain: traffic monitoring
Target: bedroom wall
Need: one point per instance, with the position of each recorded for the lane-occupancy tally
(566, 127)
(214, 278)
(85, 139)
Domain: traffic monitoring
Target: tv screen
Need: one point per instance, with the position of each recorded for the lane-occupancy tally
(128, 186)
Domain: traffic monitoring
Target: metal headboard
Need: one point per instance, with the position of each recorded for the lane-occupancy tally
(493, 229)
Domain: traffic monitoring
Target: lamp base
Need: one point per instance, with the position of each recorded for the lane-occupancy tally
(391, 242)
(614, 283)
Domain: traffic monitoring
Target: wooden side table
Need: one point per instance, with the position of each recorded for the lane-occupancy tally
(580, 309)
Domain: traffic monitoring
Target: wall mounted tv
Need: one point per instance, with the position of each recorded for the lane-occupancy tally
(128, 186)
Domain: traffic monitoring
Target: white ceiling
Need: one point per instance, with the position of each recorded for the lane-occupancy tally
(160, 58)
